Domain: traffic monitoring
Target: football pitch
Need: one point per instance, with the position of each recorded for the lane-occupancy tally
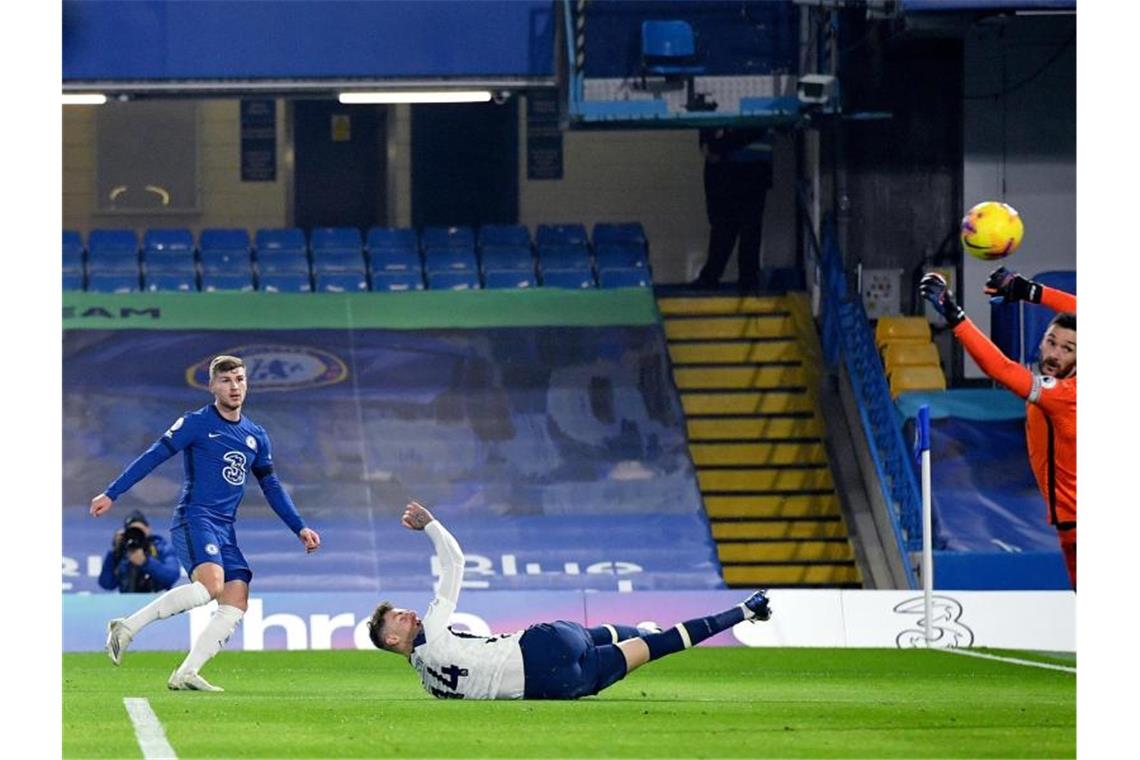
(714, 702)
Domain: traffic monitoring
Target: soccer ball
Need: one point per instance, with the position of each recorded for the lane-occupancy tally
(991, 230)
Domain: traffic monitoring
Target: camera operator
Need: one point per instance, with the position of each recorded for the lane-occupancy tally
(138, 561)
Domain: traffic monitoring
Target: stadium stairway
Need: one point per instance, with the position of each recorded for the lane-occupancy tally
(747, 370)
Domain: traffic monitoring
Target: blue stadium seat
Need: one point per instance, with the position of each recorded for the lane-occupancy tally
(504, 235)
(113, 251)
(447, 237)
(285, 282)
(561, 234)
(212, 283)
(453, 280)
(338, 260)
(225, 261)
(180, 282)
(112, 282)
(619, 232)
(336, 238)
(392, 237)
(502, 279)
(573, 279)
(620, 256)
(281, 250)
(449, 259)
(507, 257)
(397, 281)
(224, 239)
(341, 282)
(633, 277)
(168, 250)
(575, 256)
(72, 253)
(73, 280)
(394, 260)
(669, 48)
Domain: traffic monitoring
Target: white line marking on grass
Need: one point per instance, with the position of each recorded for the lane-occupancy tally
(1013, 660)
(148, 730)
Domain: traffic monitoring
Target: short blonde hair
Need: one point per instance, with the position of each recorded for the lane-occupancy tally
(224, 363)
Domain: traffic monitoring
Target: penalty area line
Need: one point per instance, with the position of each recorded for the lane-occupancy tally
(148, 730)
(1012, 660)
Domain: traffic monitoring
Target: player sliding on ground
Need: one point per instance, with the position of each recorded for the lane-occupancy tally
(558, 660)
(219, 446)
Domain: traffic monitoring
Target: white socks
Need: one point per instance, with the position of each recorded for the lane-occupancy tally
(177, 599)
(213, 637)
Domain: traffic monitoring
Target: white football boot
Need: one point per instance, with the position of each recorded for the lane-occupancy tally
(118, 639)
(190, 681)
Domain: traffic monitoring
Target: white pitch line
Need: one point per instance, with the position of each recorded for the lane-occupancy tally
(1013, 660)
(148, 730)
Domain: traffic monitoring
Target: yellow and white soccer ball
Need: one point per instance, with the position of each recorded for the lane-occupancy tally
(991, 230)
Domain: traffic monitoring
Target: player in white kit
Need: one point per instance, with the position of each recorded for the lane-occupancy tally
(559, 660)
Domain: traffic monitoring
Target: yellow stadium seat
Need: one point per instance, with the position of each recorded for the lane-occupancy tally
(891, 329)
(918, 378)
(909, 354)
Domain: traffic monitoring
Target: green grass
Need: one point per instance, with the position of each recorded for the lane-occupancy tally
(702, 703)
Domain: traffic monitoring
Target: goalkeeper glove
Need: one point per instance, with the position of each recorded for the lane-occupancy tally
(933, 288)
(1005, 286)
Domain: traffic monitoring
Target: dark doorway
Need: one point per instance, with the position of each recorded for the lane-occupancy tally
(465, 164)
(339, 171)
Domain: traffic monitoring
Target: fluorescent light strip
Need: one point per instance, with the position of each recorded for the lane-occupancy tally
(84, 99)
(417, 96)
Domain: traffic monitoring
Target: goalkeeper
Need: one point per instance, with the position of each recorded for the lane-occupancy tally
(1050, 391)
(558, 660)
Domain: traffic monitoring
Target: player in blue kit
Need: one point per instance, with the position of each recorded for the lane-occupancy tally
(219, 447)
(559, 660)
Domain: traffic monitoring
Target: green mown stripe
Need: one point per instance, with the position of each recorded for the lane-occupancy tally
(415, 310)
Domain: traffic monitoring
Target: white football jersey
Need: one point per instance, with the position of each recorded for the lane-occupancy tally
(460, 665)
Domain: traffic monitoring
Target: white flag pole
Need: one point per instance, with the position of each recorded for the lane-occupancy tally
(922, 433)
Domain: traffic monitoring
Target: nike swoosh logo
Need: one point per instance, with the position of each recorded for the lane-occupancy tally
(213, 435)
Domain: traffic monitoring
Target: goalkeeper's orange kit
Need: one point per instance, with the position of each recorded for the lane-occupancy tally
(1050, 423)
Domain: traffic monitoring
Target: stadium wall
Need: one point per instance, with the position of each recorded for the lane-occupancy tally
(1044, 620)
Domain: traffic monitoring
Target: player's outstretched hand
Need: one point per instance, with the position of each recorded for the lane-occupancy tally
(100, 504)
(311, 539)
(933, 288)
(416, 516)
(1004, 286)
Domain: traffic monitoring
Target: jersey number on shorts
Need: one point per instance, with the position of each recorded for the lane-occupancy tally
(449, 677)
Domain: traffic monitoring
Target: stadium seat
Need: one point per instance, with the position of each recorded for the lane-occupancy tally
(396, 281)
(569, 256)
(212, 283)
(341, 282)
(504, 235)
(392, 237)
(168, 250)
(669, 50)
(447, 237)
(453, 280)
(561, 234)
(574, 279)
(507, 279)
(892, 329)
(502, 257)
(225, 261)
(72, 252)
(632, 277)
(284, 282)
(180, 282)
(113, 251)
(449, 259)
(917, 378)
(619, 232)
(394, 260)
(335, 238)
(281, 250)
(73, 280)
(338, 260)
(620, 255)
(910, 354)
(112, 282)
(225, 239)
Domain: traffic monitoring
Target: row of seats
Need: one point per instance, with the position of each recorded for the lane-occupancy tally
(496, 247)
(910, 358)
(353, 282)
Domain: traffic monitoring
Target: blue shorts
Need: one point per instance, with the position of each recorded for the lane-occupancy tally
(561, 661)
(197, 540)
